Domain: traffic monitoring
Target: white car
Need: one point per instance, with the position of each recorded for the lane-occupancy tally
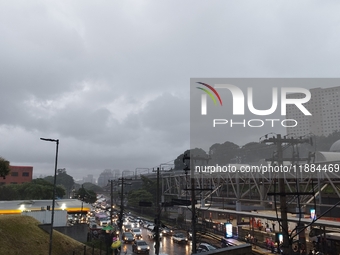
(151, 227)
(179, 238)
(203, 247)
(152, 235)
(91, 219)
(104, 222)
(137, 232)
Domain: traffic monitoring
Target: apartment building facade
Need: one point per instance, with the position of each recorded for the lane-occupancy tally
(18, 175)
(324, 106)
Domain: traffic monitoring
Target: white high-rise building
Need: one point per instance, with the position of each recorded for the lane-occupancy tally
(324, 106)
(104, 177)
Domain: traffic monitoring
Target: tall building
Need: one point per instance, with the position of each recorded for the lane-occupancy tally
(89, 178)
(104, 177)
(324, 106)
(18, 175)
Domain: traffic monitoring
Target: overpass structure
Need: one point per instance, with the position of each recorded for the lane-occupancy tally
(254, 187)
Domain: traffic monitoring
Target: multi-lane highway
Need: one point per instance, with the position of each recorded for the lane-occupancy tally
(167, 246)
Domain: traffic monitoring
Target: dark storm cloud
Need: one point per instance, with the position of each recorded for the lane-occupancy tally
(111, 79)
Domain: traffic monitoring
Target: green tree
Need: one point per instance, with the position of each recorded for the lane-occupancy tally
(93, 187)
(9, 192)
(225, 153)
(150, 186)
(139, 195)
(4, 167)
(88, 196)
(179, 165)
(37, 189)
(64, 180)
(253, 152)
(197, 152)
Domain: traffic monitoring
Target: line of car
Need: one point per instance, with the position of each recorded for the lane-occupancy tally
(133, 234)
(178, 237)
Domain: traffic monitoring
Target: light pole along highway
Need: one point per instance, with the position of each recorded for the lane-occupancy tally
(54, 189)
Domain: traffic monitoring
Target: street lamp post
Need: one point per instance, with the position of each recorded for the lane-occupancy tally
(158, 215)
(54, 188)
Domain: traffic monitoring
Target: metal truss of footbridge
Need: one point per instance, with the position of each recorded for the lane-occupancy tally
(252, 187)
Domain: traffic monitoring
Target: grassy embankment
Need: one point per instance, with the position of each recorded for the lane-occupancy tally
(20, 235)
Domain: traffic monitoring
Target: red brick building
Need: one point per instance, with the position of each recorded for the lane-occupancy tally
(18, 175)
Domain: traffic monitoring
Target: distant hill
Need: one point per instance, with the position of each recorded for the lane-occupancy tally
(21, 235)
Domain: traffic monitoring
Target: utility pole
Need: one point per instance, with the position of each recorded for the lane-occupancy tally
(122, 203)
(157, 215)
(279, 141)
(121, 206)
(193, 203)
(286, 247)
(111, 193)
(193, 197)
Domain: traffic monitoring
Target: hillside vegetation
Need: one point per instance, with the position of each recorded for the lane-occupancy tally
(20, 235)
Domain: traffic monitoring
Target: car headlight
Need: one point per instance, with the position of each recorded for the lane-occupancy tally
(139, 248)
(186, 239)
(148, 247)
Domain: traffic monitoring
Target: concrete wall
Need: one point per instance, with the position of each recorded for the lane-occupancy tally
(244, 249)
(77, 232)
(44, 217)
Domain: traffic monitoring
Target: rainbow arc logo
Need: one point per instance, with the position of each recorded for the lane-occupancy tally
(212, 93)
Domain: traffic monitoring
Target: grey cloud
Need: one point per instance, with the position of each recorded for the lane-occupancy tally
(111, 80)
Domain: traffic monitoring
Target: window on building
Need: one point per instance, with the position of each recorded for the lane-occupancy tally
(14, 174)
(26, 174)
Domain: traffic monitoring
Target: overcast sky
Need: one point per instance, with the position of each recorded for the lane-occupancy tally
(111, 79)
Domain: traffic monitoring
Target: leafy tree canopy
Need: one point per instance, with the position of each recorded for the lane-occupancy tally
(36, 190)
(94, 187)
(64, 180)
(88, 196)
(139, 195)
(4, 167)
